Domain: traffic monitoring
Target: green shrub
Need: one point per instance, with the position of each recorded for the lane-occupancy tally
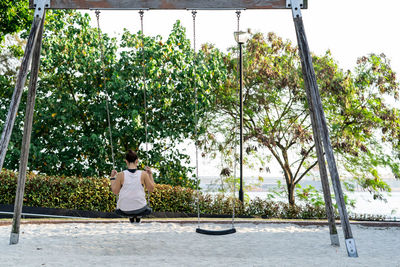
(310, 211)
(173, 199)
(290, 212)
(263, 208)
(88, 193)
(94, 194)
(59, 192)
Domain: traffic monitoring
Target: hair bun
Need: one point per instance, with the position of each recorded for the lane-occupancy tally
(131, 156)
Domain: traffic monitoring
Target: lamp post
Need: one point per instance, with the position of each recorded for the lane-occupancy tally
(241, 38)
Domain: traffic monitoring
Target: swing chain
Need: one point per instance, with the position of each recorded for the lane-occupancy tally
(238, 13)
(194, 13)
(104, 85)
(141, 13)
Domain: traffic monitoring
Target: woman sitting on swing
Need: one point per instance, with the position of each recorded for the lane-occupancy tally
(129, 186)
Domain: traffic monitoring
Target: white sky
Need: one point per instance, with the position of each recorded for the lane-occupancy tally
(349, 28)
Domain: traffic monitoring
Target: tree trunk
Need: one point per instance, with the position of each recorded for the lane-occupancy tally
(291, 194)
(289, 184)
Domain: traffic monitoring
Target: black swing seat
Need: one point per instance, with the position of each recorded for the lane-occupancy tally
(216, 232)
(146, 210)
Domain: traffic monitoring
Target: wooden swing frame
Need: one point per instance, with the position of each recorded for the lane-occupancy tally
(320, 130)
(169, 4)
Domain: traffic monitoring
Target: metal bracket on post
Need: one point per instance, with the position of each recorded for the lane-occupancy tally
(296, 6)
(14, 238)
(40, 5)
(351, 247)
(335, 240)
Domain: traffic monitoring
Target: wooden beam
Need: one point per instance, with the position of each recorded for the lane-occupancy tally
(322, 171)
(26, 139)
(19, 86)
(313, 91)
(168, 4)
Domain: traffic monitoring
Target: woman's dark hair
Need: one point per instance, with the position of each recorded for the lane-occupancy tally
(131, 156)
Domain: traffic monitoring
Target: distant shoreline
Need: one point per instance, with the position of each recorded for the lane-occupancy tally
(271, 182)
(364, 200)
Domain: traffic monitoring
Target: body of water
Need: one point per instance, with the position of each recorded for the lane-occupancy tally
(365, 204)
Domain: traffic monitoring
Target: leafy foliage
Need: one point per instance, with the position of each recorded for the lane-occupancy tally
(365, 122)
(364, 128)
(308, 196)
(59, 192)
(70, 132)
(15, 16)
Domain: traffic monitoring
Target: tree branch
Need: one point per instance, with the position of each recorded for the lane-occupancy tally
(308, 169)
(303, 159)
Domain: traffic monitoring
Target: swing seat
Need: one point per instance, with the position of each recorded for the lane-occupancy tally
(216, 232)
(146, 210)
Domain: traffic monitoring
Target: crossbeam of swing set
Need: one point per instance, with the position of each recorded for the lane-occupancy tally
(170, 4)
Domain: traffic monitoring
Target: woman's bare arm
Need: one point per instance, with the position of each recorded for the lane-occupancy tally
(116, 184)
(148, 179)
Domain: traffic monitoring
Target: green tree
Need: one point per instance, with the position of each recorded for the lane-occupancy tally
(70, 132)
(169, 71)
(276, 116)
(15, 16)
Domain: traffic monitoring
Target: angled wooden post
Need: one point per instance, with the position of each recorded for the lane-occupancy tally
(324, 175)
(30, 105)
(19, 87)
(314, 96)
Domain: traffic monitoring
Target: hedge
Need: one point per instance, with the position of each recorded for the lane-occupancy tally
(59, 192)
(94, 194)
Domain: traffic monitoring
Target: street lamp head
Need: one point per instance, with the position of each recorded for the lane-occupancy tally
(241, 37)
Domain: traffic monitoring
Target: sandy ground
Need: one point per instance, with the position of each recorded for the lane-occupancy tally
(172, 244)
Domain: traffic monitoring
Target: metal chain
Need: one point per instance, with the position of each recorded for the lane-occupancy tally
(141, 13)
(238, 13)
(104, 85)
(194, 13)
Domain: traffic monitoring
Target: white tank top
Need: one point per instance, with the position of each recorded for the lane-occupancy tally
(131, 195)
